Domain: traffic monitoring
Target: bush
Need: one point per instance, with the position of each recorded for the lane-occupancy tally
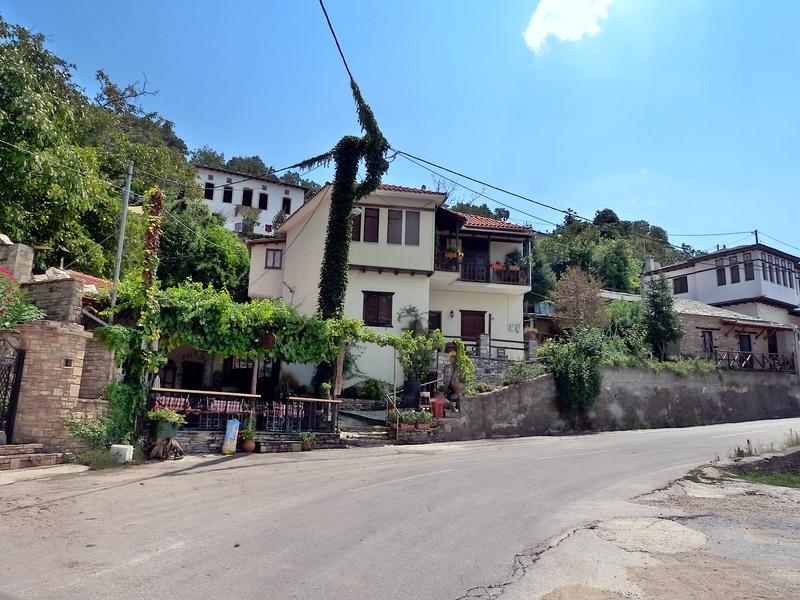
(424, 417)
(575, 363)
(520, 371)
(125, 402)
(372, 389)
(482, 387)
(95, 432)
(96, 459)
(166, 415)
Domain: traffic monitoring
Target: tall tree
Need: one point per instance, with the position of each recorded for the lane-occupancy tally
(662, 322)
(207, 157)
(543, 280)
(249, 165)
(577, 300)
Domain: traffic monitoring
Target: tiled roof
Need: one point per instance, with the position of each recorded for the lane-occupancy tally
(693, 307)
(100, 284)
(486, 223)
(401, 188)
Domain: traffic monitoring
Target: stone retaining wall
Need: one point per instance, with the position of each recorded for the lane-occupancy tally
(630, 399)
(210, 442)
(60, 299)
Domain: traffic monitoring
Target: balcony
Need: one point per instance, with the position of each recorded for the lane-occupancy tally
(481, 272)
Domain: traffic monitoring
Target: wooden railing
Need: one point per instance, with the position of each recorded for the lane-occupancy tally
(752, 361)
(210, 410)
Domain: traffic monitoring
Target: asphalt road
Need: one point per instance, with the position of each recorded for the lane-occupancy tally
(427, 522)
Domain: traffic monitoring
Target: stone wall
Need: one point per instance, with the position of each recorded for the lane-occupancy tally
(726, 337)
(630, 399)
(487, 369)
(60, 299)
(18, 259)
(98, 368)
(636, 398)
(210, 442)
(50, 384)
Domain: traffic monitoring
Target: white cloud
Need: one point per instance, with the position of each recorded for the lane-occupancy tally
(565, 20)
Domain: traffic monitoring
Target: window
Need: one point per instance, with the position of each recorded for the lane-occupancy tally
(791, 275)
(708, 341)
(769, 268)
(435, 320)
(772, 343)
(274, 259)
(394, 232)
(264, 187)
(721, 280)
(371, 219)
(229, 180)
(247, 197)
(378, 309)
(412, 228)
(227, 194)
(286, 205)
(745, 342)
(764, 266)
(237, 227)
(357, 228)
(680, 285)
(783, 273)
(735, 275)
(749, 272)
(263, 200)
(208, 194)
(211, 178)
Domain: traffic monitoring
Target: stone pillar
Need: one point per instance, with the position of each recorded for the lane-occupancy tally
(531, 349)
(98, 368)
(60, 299)
(485, 346)
(51, 382)
(18, 259)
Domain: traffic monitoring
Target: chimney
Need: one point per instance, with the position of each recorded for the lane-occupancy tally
(424, 187)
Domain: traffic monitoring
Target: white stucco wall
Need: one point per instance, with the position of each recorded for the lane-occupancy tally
(275, 191)
(264, 283)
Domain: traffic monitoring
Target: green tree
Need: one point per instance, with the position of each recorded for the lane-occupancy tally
(662, 322)
(47, 181)
(577, 300)
(195, 245)
(543, 280)
(615, 265)
(605, 217)
(249, 165)
(207, 157)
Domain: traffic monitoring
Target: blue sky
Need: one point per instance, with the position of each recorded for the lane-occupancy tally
(684, 113)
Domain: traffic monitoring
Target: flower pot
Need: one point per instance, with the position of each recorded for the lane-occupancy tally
(406, 426)
(530, 334)
(162, 429)
(248, 446)
(457, 387)
(306, 446)
(514, 269)
(450, 347)
(451, 255)
(423, 426)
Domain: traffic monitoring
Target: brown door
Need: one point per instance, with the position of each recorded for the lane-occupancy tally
(475, 266)
(472, 324)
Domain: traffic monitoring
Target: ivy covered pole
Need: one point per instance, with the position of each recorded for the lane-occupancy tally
(347, 156)
(149, 319)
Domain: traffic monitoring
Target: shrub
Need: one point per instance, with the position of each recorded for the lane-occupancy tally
(14, 308)
(95, 432)
(372, 389)
(166, 415)
(464, 366)
(125, 402)
(482, 387)
(575, 363)
(520, 371)
(424, 417)
(409, 417)
(96, 459)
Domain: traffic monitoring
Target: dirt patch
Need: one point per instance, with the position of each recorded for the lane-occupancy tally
(582, 592)
(651, 535)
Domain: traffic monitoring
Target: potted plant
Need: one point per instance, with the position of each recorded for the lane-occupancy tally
(514, 260)
(308, 439)
(496, 266)
(247, 440)
(165, 422)
(451, 252)
(325, 388)
(424, 420)
(408, 419)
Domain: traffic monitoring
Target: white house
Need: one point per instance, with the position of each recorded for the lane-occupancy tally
(398, 258)
(754, 280)
(227, 192)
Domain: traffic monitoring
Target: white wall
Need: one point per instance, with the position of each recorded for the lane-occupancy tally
(275, 191)
(264, 283)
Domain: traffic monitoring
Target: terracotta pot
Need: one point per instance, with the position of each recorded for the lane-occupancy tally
(457, 387)
(306, 446)
(423, 426)
(406, 426)
(530, 335)
(248, 446)
(450, 347)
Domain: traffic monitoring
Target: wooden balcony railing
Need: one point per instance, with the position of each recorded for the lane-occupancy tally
(752, 361)
(210, 410)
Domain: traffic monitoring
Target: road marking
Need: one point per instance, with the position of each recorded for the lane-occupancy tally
(401, 479)
(714, 437)
(140, 559)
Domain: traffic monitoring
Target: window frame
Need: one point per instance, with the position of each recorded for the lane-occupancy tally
(209, 187)
(736, 275)
(265, 197)
(371, 215)
(273, 252)
(286, 205)
(247, 196)
(684, 279)
(413, 219)
(227, 194)
(355, 235)
(383, 315)
(394, 227)
(722, 278)
(749, 267)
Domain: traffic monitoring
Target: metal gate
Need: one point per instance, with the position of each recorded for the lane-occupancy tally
(11, 361)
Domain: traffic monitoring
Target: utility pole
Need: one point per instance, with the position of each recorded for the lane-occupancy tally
(756, 234)
(126, 194)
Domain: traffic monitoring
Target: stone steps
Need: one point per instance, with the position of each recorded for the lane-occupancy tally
(29, 459)
(14, 449)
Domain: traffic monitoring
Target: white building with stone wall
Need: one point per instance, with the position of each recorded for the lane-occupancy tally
(407, 250)
(231, 194)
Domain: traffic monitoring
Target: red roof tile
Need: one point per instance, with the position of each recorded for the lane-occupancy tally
(480, 222)
(85, 279)
(401, 188)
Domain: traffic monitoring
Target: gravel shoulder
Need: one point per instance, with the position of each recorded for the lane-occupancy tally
(708, 536)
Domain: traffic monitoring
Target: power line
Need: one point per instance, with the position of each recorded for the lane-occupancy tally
(336, 39)
(779, 241)
(709, 234)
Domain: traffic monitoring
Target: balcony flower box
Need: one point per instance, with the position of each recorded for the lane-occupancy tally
(497, 266)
